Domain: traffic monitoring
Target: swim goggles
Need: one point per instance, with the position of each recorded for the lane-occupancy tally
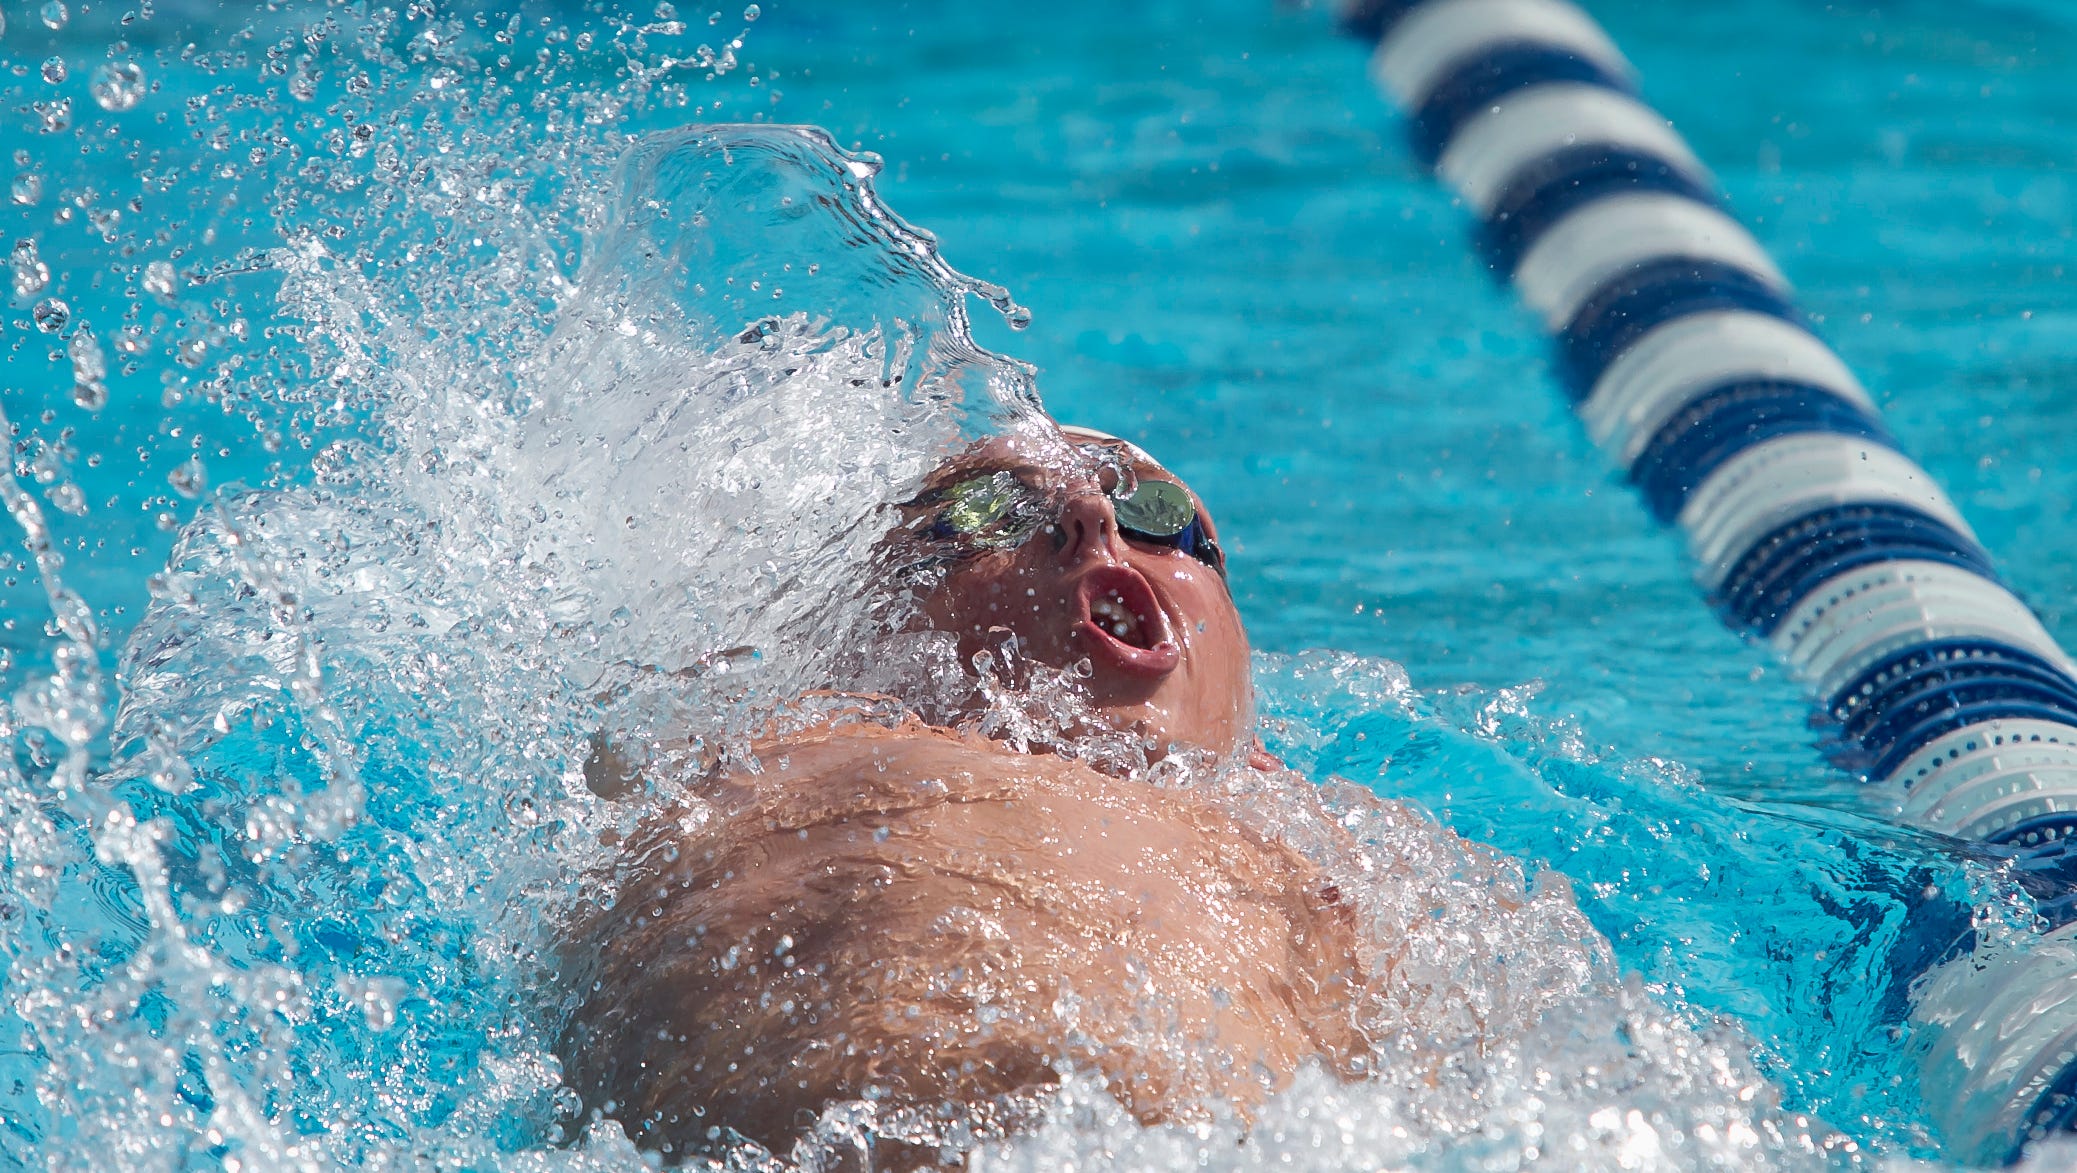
(999, 511)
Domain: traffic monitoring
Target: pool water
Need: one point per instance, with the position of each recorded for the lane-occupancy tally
(326, 950)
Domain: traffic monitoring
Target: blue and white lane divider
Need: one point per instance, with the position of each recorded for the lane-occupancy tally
(1679, 340)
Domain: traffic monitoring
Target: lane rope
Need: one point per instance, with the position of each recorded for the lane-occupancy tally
(1680, 343)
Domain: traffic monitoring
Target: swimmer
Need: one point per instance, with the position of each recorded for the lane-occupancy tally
(914, 914)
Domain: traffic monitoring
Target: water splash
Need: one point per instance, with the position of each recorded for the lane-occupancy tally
(1669, 873)
(499, 427)
(757, 360)
(382, 688)
(295, 907)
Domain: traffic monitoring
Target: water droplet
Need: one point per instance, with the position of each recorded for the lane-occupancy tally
(89, 369)
(54, 70)
(53, 117)
(752, 13)
(51, 315)
(118, 85)
(87, 360)
(27, 188)
(54, 14)
(189, 479)
(68, 498)
(1017, 316)
(31, 276)
(159, 280)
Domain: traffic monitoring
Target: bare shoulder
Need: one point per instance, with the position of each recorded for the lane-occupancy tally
(904, 912)
(852, 771)
(889, 760)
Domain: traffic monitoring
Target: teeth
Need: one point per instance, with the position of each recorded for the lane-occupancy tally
(1111, 613)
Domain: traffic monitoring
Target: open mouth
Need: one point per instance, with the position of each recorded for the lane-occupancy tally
(1122, 623)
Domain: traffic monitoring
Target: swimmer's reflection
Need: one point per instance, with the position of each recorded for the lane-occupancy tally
(923, 917)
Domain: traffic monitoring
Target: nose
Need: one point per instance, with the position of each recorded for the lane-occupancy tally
(1088, 527)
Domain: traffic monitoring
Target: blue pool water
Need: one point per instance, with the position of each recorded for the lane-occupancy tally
(1227, 253)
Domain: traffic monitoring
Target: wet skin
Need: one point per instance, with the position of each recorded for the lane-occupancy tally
(1179, 672)
(922, 918)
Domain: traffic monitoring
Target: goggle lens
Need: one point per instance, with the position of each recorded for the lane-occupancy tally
(1159, 510)
(994, 512)
(998, 512)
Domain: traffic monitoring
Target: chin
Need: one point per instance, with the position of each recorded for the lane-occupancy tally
(1154, 718)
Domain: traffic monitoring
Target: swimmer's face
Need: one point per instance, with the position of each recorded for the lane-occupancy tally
(1036, 549)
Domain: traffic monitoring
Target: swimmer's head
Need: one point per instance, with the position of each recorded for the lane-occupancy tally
(1089, 552)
